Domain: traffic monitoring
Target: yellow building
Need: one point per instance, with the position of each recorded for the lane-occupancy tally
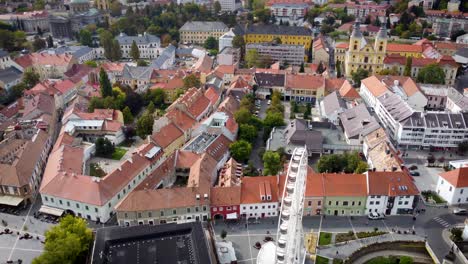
(102, 4)
(169, 138)
(199, 31)
(363, 54)
(288, 35)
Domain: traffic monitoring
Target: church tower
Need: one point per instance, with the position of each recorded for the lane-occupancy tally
(357, 40)
(381, 39)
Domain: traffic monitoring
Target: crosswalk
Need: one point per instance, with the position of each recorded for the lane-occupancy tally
(441, 221)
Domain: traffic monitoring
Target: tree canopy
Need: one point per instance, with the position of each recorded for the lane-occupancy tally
(432, 74)
(67, 242)
(86, 38)
(104, 148)
(271, 163)
(358, 76)
(348, 163)
(134, 51)
(145, 125)
(240, 150)
(104, 84)
(191, 81)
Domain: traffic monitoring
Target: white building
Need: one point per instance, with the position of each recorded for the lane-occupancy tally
(289, 12)
(259, 197)
(226, 40)
(80, 53)
(148, 45)
(390, 193)
(456, 102)
(452, 186)
(332, 106)
(463, 39)
(284, 53)
(230, 5)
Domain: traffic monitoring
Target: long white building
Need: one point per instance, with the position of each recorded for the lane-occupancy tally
(452, 186)
(148, 45)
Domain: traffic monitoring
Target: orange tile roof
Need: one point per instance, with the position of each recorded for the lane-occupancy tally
(343, 45)
(394, 47)
(180, 119)
(218, 148)
(348, 91)
(302, 81)
(113, 66)
(409, 86)
(167, 135)
(43, 59)
(341, 184)
(334, 84)
(221, 196)
(226, 69)
(171, 84)
(251, 186)
(212, 95)
(314, 185)
(232, 125)
(203, 64)
(374, 86)
(388, 183)
(458, 178)
(185, 159)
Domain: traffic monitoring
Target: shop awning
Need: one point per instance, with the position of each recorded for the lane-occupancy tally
(50, 210)
(10, 200)
(231, 216)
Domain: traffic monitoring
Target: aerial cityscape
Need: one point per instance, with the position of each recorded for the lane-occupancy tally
(228, 131)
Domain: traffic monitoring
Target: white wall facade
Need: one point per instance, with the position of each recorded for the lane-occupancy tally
(376, 204)
(451, 194)
(259, 210)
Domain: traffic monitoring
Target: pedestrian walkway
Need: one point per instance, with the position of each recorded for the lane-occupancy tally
(441, 221)
(346, 249)
(420, 257)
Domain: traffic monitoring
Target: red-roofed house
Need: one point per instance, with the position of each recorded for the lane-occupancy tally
(225, 202)
(345, 194)
(169, 138)
(194, 103)
(390, 192)
(46, 65)
(259, 197)
(304, 87)
(452, 186)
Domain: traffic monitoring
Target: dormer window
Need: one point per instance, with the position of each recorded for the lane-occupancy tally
(269, 197)
(263, 197)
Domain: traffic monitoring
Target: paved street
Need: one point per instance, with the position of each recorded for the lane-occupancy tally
(259, 144)
(428, 225)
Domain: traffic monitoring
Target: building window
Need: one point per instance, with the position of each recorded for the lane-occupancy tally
(345, 203)
(371, 202)
(188, 210)
(461, 191)
(77, 205)
(162, 213)
(336, 203)
(60, 201)
(215, 209)
(68, 203)
(139, 215)
(400, 203)
(377, 202)
(86, 207)
(359, 203)
(174, 211)
(309, 203)
(353, 203)
(204, 208)
(95, 210)
(329, 202)
(319, 203)
(450, 189)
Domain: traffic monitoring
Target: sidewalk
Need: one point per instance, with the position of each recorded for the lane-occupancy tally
(344, 250)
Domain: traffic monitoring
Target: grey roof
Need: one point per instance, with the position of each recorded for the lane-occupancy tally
(382, 34)
(395, 106)
(3, 53)
(10, 74)
(75, 51)
(445, 120)
(204, 26)
(168, 53)
(269, 79)
(297, 133)
(139, 72)
(415, 120)
(358, 121)
(457, 98)
(146, 38)
(278, 30)
(462, 52)
(357, 30)
(332, 103)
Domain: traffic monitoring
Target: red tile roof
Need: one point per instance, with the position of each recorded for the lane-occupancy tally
(219, 147)
(253, 186)
(394, 47)
(28, 60)
(388, 183)
(12, 109)
(341, 184)
(302, 81)
(212, 95)
(375, 87)
(347, 91)
(181, 119)
(222, 196)
(167, 135)
(458, 178)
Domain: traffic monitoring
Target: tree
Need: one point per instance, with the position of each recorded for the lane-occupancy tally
(150, 108)
(338, 68)
(409, 62)
(115, 9)
(302, 68)
(86, 39)
(210, 43)
(104, 148)
(358, 76)
(38, 44)
(156, 96)
(91, 63)
(104, 84)
(243, 116)
(320, 68)
(105, 39)
(247, 132)
(238, 42)
(263, 15)
(349, 163)
(116, 53)
(432, 74)
(127, 115)
(252, 58)
(191, 81)
(217, 7)
(50, 42)
(67, 242)
(240, 150)
(39, 5)
(30, 78)
(274, 119)
(271, 163)
(145, 125)
(134, 51)
(223, 232)
(307, 111)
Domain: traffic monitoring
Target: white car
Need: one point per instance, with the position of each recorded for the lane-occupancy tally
(375, 216)
(269, 102)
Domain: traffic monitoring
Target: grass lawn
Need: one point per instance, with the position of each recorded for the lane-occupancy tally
(369, 234)
(126, 143)
(391, 260)
(321, 260)
(342, 237)
(433, 196)
(337, 261)
(96, 171)
(325, 238)
(118, 153)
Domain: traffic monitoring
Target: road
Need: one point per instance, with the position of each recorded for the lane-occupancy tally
(259, 144)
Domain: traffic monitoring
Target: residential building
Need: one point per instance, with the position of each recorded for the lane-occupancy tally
(64, 24)
(218, 123)
(9, 77)
(290, 35)
(63, 91)
(461, 56)
(379, 152)
(391, 193)
(259, 197)
(230, 5)
(284, 53)
(392, 110)
(30, 22)
(46, 65)
(148, 45)
(456, 102)
(362, 10)
(436, 95)
(137, 77)
(228, 56)
(314, 193)
(332, 106)
(320, 51)
(166, 59)
(304, 87)
(288, 12)
(447, 63)
(193, 103)
(225, 202)
(6, 61)
(357, 122)
(226, 39)
(102, 4)
(199, 31)
(445, 27)
(426, 4)
(267, 81)
(452, 186)
(81, 54)
(169, 138)
(345, 194)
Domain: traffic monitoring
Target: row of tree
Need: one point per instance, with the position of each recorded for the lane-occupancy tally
(348, 163)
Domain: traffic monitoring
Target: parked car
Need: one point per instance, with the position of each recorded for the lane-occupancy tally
(459, 211)
(414, 173)
(375, 216)
(413, 167)
(269, 102)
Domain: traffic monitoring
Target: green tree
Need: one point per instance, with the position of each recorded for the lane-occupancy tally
(409, 62)
(86, 39)
(67, 242)
(127, 115)
(50, 42)
(302, 68)
(358, 76)
(38, 44)
(211, 43)
(217, 7)
(91, 63)
(432, 74)
(134, 51)
(271, 163)
(106, 39)
(247, 132)
(240, 150)
(156, 96)
(307, 111)
(252, 58)
(178, 93)
(406, 260)
(274, 119)
(150, 108)
(238, 42)
(116, 52)
(30, 78)
(262, 14)
(104, 84)
(39, 5)
(104, 148)
(115, 9)
(191, 81)
(142, 63)
(338, 69)
(243, 116)
(145, 125)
